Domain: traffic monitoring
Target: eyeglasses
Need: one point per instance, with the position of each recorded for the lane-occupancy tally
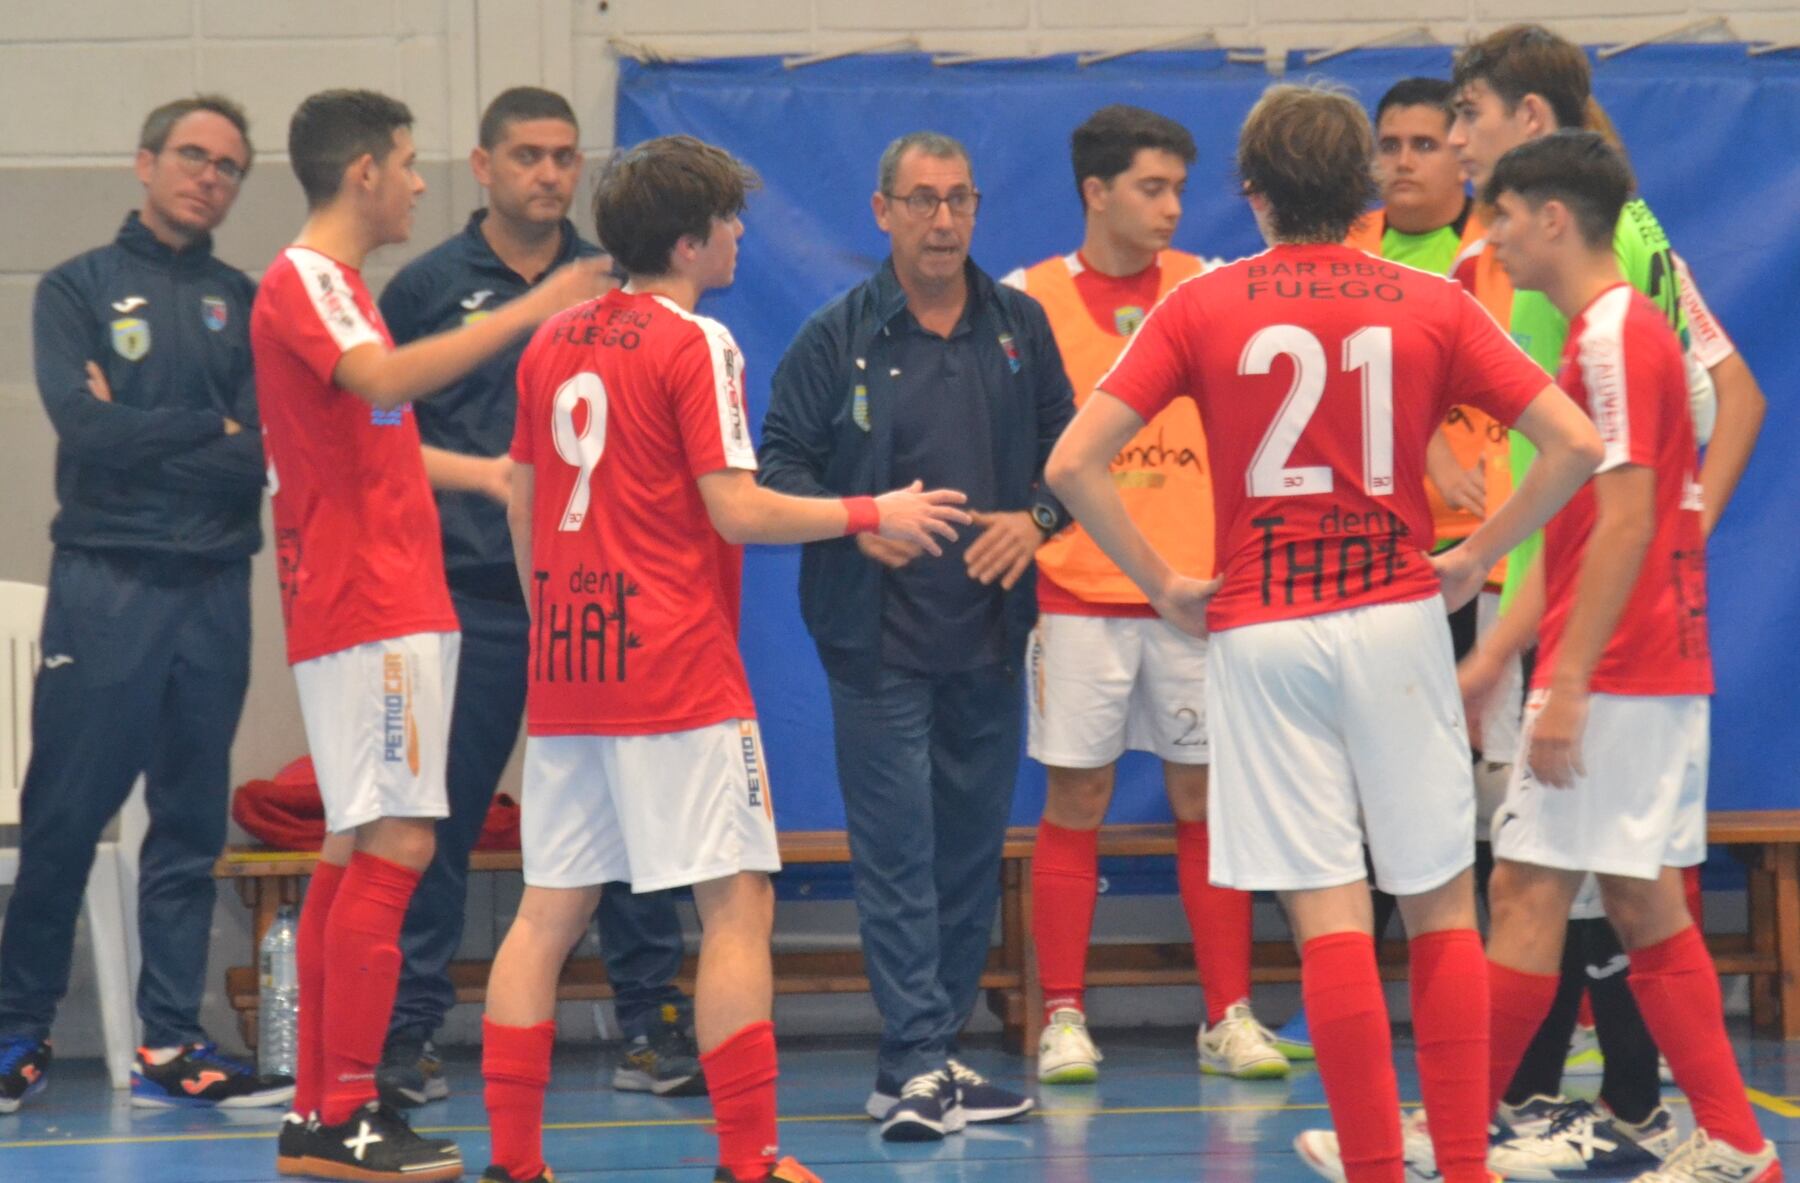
(193, 161)
(923, 203)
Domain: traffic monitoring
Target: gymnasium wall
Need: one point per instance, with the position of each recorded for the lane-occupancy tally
(77, 76)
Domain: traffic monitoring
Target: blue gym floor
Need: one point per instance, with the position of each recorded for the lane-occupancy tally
(1151, 1119)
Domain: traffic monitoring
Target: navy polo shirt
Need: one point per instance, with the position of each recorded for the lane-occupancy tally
(453, 284)
(934, 617)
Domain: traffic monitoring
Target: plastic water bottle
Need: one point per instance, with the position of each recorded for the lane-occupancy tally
(278, 1007)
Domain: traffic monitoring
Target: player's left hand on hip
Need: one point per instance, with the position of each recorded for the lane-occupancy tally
(1003, 552)
(1555, 752)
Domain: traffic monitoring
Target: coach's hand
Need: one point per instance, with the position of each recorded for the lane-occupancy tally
(96, 383)
(917, 518)
(1460, 577)
(572, 283)
(1183, 602)
(1004, 550)
(1555, 751)
(892, 555)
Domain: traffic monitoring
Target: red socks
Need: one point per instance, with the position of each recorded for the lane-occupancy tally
(1450, 984)
(1065, 882)
(740, 1076)
(1349, 1023)
(1517, 1005)
(1218, 918)
(309, 959)
(363, 933)
(515, 1063)
(1677, 990)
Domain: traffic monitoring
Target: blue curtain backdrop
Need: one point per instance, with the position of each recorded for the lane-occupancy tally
(1711, 133)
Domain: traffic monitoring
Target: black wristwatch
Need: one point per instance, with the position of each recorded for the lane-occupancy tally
(1045, 518)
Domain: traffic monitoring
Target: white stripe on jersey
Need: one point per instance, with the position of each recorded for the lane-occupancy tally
(728, 386)
(1601, 356)
(1707, 340)
(330, 294)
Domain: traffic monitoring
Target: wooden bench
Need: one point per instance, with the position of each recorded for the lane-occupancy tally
(1767, 841)
(267, 879)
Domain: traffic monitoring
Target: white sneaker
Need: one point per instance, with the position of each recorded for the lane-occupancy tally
(1584, 1058)
(1586, 1141)
(1318, 1149)
(1701, 1159)
(1532, 1116)
(1239, 1046)
(1066, 1053)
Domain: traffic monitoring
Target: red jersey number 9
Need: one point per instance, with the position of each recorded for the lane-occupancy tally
(580, 448)
(1369, 350)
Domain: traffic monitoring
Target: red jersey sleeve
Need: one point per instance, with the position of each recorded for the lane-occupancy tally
(1487, 370)
(706, 389)
(319, 318)
(1154, 369)
(1619, 372)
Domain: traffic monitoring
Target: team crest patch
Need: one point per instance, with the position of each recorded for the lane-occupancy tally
(859, 406)
(131, 337)
(1127, 319)
(214, 312)
(1011, 349)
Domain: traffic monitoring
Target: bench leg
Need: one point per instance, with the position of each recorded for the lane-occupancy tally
(1759, 898)
(1786, 923)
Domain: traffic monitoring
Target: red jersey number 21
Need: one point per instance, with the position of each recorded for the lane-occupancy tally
(581, 448)
(1369, 351)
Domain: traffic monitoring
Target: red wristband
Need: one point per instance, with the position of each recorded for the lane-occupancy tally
(865, 517)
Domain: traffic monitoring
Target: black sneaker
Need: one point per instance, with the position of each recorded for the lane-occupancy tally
(500, 1175)
(981, 1100)
(665, 1062)
(410, 1073)
(294, 1145)
(376, 1145)
(201, 1077)
(24, 1070)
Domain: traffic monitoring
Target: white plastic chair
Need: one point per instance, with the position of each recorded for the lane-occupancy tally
(111, 904)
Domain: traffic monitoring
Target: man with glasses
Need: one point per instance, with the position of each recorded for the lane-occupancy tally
(143, 361)
(927, 371)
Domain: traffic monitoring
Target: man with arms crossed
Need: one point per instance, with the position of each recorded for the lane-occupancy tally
(1321, 374)
(1617, 724)
(370, 629)
(1104, 672)
(634, 491)
(529, 160)
(142, 352)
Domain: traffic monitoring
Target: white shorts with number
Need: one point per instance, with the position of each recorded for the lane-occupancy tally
(1641, 805)
(654, 811)
(1334, 730)
(378, 724)
(1102, 684)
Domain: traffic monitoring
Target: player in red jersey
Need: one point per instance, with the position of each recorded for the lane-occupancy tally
(370, 630)
(1321, 374)
(633, 493)
(1617, 723)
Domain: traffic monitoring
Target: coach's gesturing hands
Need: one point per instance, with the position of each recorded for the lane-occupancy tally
(919, 516)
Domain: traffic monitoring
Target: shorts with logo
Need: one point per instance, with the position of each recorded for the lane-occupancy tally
(1332, 731)
(1099, 685)
(378, 725)
(1640, 807)
(654, 811)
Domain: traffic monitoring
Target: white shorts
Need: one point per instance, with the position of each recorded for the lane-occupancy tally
(1640, 807)
(1102, 684)
(1332, 731)
(654, 811)
(378, 722)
